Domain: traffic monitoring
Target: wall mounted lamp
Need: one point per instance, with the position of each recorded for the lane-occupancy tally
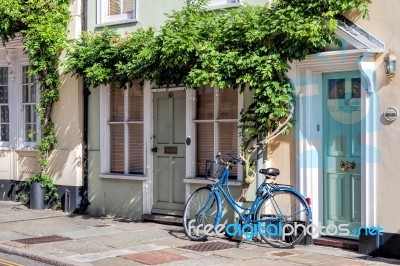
(390, 64)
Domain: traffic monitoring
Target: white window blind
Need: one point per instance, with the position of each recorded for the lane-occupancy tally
(126, 130)
(115, 10)
(216, 125)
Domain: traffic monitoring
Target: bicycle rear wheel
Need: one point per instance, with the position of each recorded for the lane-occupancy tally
(284, 219)
(201, 210)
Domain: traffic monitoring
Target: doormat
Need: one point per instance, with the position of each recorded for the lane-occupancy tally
(154, 257)
(209, 246)
(42, 239)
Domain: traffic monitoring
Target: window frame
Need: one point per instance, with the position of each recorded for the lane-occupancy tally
(6, 143)
(21, 125)
(212, 6)
(16, 113)
(105, 135)
(216, 122)
(103, 19)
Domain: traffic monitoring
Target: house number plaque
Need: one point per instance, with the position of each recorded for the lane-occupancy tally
(170, 150)
(391, 114)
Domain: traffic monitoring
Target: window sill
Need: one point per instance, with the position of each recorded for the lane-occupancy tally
(116, 22)
(124, 177)
(26, 149)
(199, 180)
(223, 6)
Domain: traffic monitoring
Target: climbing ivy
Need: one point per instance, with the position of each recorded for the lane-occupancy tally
(43, 27)
(244, 47)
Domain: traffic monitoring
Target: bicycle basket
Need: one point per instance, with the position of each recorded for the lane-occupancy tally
(213, 170)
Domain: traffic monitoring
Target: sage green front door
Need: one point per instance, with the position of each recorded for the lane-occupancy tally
(342, 149)
(169, 152)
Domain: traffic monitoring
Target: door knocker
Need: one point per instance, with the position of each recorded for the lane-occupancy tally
(347, 166)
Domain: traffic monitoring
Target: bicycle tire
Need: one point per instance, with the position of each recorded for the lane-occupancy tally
(201, 200)
(287, 208)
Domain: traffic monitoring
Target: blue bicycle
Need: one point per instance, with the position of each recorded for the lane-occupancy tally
(280, 215)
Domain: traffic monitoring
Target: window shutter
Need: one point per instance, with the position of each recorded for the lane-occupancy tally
(135, 103)
(117, 131)
(117, 148)
(228, 104)
(205, 146)
(136, 149)
(117, 104)
(127, 6)
(228, 141)
(114, 7)
(205, 103)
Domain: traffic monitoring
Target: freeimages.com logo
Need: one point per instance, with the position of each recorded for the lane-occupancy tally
(283, 230)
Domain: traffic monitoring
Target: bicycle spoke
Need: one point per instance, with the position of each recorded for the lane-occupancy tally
(202, 207)
(287, 209)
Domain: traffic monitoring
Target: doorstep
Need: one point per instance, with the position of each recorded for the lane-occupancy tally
(337, 243)
(163, 219)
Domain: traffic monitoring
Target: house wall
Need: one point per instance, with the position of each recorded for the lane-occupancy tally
(383, 25)
(18, 164)
(124, 198)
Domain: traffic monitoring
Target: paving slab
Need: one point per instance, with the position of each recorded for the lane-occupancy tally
(306, 258)
(239, 253)
(10, 235)
(120, 261)
(154, 257)
(114, 253)
(264, 262)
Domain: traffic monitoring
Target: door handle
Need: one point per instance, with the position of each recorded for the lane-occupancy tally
(347, 166)
(154, 149)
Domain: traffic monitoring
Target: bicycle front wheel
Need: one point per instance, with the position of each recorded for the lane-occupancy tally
(200, 213)
(283, 219)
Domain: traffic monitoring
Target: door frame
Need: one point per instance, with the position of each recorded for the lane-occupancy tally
(307, 78)
(148, 95)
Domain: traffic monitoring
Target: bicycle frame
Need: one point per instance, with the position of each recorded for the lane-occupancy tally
(218, 187)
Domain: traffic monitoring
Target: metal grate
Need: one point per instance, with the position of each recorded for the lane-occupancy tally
(42, 239)
(209, 246)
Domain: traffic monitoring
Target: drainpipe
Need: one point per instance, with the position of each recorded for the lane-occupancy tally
(83, 191)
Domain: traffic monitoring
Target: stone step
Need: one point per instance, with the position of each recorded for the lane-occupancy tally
(336, 243)
(163, 219)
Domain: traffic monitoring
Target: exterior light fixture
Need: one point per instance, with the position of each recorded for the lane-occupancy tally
(390, 64)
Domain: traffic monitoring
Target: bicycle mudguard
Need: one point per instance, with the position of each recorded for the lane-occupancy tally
(295, 192)
(219, 202)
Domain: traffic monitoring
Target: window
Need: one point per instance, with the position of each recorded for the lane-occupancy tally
(29, 101)
(19, 124)
(216, 125)
(223, 2)
(116, 10)
(4, 111)
(126, 130)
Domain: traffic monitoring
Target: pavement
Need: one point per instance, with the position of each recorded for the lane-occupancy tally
(92, 240)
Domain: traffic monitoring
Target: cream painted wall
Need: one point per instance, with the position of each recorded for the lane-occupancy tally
(383, 24)
(65, 161)
(282, 155)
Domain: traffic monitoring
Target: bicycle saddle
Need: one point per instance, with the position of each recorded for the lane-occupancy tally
(270, 171)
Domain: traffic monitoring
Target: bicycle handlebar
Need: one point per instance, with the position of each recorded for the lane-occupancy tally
(232, 160)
